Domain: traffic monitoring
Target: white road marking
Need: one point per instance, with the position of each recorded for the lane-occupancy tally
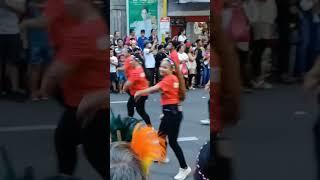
(123, 102)
(205, 122)
(300, 113)
(182, 139)
(118, 102)
(27, 128)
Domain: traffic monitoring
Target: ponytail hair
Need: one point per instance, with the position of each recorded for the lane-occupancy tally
(178, 74)
(182, 84)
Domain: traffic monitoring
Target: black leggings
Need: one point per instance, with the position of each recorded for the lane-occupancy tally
(198, 75)
(256, 58)
(140, 106)
(169, 126)
(150, 75)
(245, 71)
(94, 139)
(190, 79)
(186, 81)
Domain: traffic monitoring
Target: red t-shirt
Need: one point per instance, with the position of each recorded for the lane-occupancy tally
(169, 86)
(174, 56)
(84, 49)
(60, 22)
(127, 66)
(138, 79)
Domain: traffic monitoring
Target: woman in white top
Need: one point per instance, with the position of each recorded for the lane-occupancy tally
(192, 66)
(184, 59)
(182, 36)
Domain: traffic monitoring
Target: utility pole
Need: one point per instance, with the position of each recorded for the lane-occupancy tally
(165, 8)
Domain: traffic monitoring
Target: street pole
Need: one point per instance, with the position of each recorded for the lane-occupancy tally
(165, 8)
(164, 14)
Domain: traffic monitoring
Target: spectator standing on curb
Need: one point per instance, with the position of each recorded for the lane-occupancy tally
(10, 47)
(142, 39)
(150, 62)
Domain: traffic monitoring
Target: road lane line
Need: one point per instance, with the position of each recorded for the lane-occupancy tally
(183, 139)
(118, 102)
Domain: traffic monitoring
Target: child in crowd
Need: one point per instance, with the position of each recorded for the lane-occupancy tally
(113, 70)
(120, 72)
(184, 59)
(206, 64)
(192, 66)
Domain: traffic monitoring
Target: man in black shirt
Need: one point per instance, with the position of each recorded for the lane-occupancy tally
(199, 60)
(159, 57)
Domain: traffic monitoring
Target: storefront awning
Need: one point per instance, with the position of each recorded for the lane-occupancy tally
(175, 8)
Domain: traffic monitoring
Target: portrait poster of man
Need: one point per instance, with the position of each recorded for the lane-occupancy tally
(142, 14)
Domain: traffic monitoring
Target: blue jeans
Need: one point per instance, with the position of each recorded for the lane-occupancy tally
(40, 55)
(305, 48)
(206, 75)
(315, 44)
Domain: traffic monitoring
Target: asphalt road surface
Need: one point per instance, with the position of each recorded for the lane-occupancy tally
(26, 129)
(192, 134)
(273, 140)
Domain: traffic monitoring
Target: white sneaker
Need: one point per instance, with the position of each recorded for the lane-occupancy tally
(183, 174)
(205, 122)
(165, 161)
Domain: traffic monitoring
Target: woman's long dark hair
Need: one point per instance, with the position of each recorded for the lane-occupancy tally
(182, 84)
(179, 47)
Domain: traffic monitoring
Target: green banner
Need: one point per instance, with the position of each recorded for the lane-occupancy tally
(142, 15)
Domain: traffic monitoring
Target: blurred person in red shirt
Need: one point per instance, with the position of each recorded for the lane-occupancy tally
(78, 35)
(224, 97)
(173, 54)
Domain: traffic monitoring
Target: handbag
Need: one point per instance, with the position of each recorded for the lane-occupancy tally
(184, 69)
(239, 28)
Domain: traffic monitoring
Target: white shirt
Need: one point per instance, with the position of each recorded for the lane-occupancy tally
(113, 68)
(183, 57)
(264, 22)
(182, 38)
(150, 61)
(118, 50)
